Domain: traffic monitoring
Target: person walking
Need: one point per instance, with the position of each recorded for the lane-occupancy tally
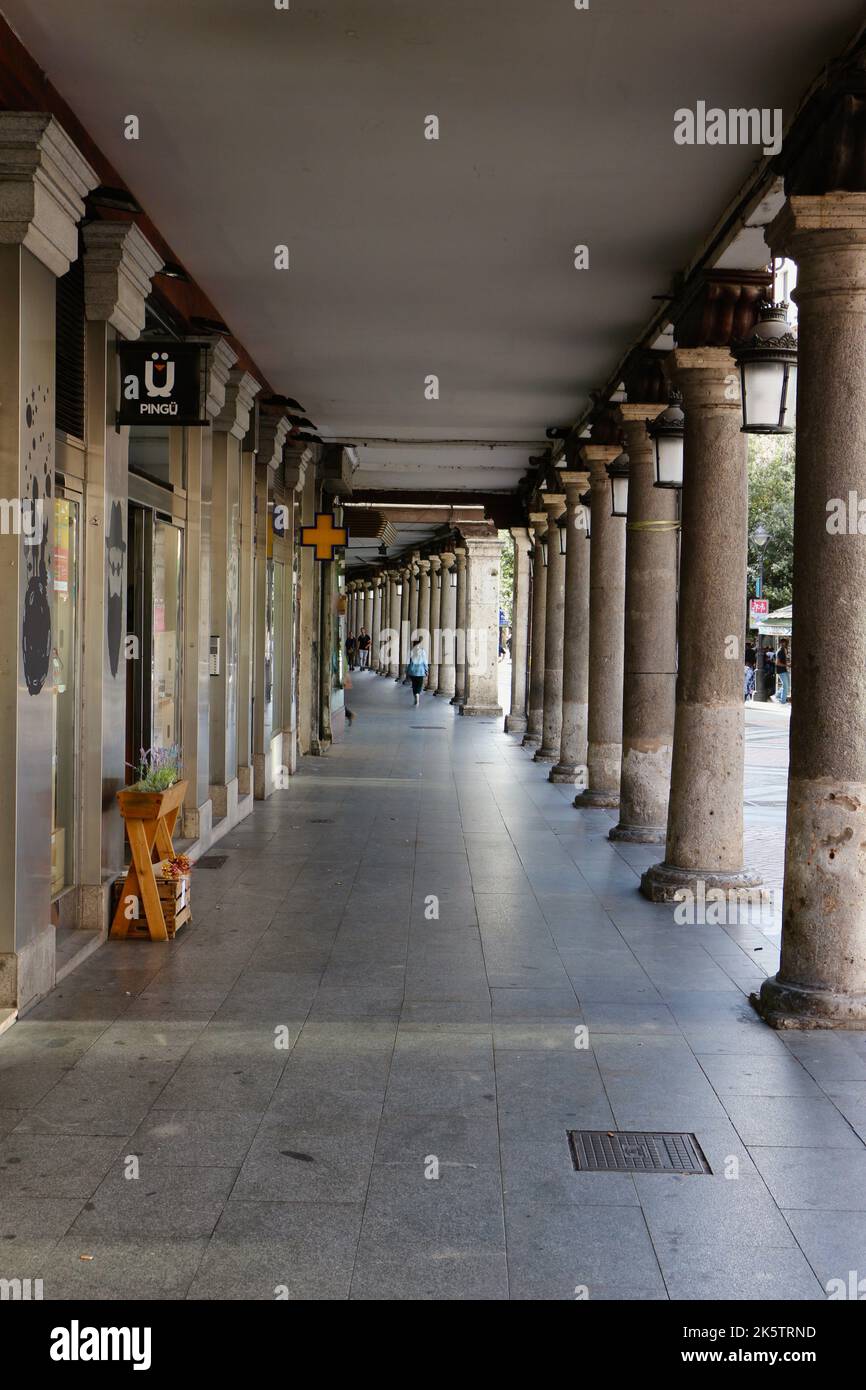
(783, 675)
(417, 668)
(350, 650)
(749, 671)
(364, 643)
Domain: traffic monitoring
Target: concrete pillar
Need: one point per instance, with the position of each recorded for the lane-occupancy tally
(481, 629)
(424, 602)
(650, 664)
(435, 609)
(118, 266)
(273, 429)
(393, 652)
(384, 648)
(246, 659)
(822, 976)
(705, 811)
(515, 720)
(571, 766)
(405, 600)
(414, 594)
(376, 626)
(551, 718)
(539, 614)
(606, 619)
(460, 627)
(447, 624)
(230, 428)
(368, 611)
(43, 183)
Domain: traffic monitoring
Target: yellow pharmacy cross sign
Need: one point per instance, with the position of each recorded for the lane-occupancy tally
(325, 536)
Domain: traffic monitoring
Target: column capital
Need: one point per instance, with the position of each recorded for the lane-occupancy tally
(597, 456)
(119, 265)
(460, 556)
(707, 376)
(240, 392)
(633, 412)
(435, 563)
(575, 482)
(218, 364)
(518, 533)
(447, 559)
(424, 566)
(44, 180)
(273, 429)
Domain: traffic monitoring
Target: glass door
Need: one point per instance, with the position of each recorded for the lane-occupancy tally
(154, 634)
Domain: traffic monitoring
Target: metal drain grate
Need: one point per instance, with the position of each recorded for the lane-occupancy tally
(212, 861)
(320, 820)
(603, 1151)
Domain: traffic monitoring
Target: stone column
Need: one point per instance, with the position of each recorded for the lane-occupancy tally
(414, 594)
(650, 665)
(405, 600)
(575, 642)
(551, 721)
(515, 720)
(368, 612)
(435, 610)
(43, 182)
(447, 624)
(460, 627)
(705, 811)
(377, 624)
(822, 976)
(424, 602)
(273, 429)
(481, 643)
(230, 428)
(385, 626)
(393, 654)
(539, 614)
(606, 619)
(118, 268)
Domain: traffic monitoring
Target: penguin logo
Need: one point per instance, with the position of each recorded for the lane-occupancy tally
(159, 374)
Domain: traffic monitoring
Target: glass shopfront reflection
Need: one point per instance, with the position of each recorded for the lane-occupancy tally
(64, 657)
(154, 628)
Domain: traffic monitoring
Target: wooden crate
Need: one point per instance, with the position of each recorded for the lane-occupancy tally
(174, 896)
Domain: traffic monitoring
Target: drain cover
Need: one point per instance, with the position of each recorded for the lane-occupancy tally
(212, 861)
(320, 820)
(600, 1151)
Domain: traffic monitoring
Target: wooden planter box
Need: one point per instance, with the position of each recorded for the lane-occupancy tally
(150, 818)
(174, 897)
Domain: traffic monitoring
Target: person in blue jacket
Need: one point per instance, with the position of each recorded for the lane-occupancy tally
(417, 668)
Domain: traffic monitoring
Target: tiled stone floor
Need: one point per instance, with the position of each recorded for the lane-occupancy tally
(285, 1077)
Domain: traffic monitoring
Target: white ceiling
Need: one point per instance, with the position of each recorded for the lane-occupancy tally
(409, 257)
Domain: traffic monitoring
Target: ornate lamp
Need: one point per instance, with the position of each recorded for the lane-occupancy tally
(618, 474)
(667, 433)
(768, 373)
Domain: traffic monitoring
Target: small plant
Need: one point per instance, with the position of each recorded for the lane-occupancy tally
(157, 769)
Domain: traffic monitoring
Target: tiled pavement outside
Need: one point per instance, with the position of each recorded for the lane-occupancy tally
(411, 1038)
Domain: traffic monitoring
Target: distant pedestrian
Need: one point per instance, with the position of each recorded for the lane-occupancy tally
(417, 668)
(364, 643)
(749, 671)
(351, 648)
(783, 674)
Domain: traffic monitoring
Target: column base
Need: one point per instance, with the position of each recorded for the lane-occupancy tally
(546, 755)
(486, 711)
(562, 773)
(531, 740)
(663, 882)
(515, 724)
(458, 700)
(799, 1006)
(639, 834)
(593, 798)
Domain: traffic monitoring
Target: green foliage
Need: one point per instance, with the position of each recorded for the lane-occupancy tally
(157, 769)
(506, 575)
(771, 502)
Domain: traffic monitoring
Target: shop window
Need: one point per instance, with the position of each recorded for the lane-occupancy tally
(167, 545)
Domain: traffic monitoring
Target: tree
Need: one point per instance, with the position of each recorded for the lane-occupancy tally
(506, 573)
(771, 503)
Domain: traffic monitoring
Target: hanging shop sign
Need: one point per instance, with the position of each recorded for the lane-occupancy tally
(758, 610)
(324, 536)
(160, 384)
